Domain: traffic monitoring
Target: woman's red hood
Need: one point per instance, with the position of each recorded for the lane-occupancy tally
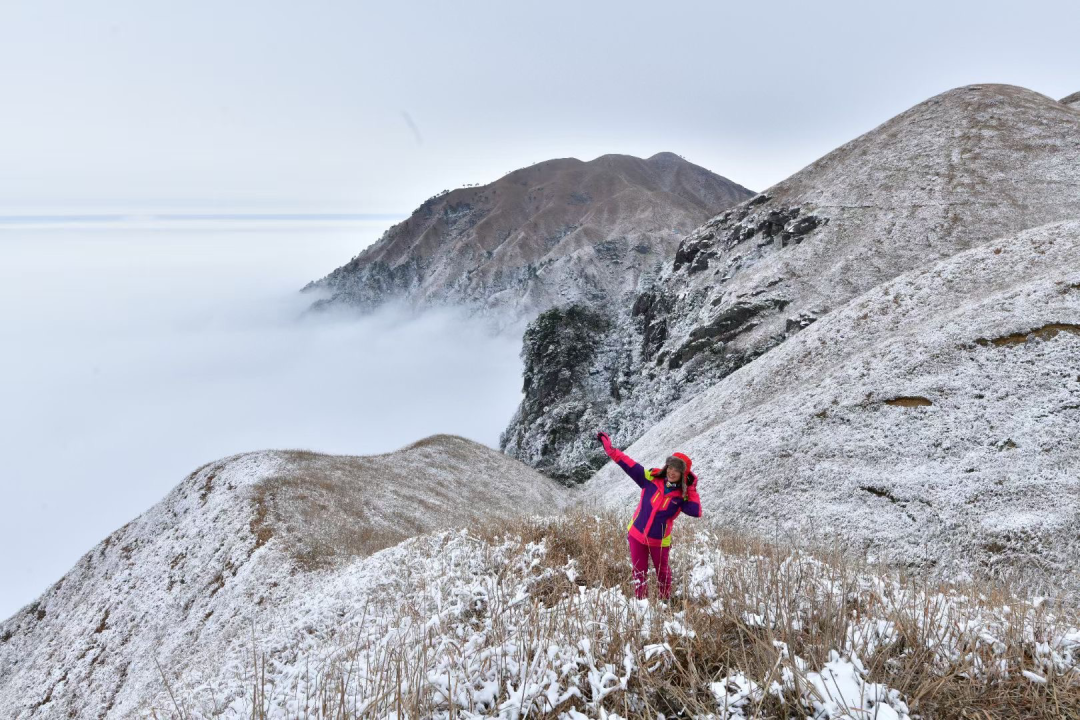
(691, 478)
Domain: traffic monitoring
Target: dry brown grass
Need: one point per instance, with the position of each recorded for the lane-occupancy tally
(328, 509)
(323, 521)
(725, 643)
(768, 596)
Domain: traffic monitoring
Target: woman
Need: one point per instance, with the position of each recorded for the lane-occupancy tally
(665, 492)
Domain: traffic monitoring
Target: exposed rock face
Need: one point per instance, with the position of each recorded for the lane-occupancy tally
(973, 163)
(561, 231)
(930, 421)
(1072, 100)
(560, 349)
(259, 540)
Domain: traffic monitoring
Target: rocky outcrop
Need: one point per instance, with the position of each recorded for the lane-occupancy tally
(973, 163)
(561, 349)
(555, 233)
(1072, 100)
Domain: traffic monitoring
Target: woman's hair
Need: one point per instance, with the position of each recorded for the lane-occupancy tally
(679, 465)
(676, 463)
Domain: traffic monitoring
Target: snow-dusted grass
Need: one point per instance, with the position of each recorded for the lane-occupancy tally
(536, 618)
(334, 507)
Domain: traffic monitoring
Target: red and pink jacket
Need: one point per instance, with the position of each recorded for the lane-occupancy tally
(660, 502)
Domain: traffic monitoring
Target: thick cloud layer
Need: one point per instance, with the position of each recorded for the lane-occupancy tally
(133, 354)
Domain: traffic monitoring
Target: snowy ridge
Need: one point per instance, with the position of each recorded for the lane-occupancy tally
(240, 538)
(955, 171)
(151, 589)
(931, 420)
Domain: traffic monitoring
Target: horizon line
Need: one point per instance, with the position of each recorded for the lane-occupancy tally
(122, 217)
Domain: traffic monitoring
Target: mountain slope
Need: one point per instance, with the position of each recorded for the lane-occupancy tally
(538, 619)
(973, 163)
(931, 420)
(558, 231)
(250, 538)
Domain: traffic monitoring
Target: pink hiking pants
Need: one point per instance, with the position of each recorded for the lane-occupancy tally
(639, 558)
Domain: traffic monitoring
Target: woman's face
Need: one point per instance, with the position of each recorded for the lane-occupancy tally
(673, 474)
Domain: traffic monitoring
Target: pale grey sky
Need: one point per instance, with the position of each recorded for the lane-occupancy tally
(372, 107)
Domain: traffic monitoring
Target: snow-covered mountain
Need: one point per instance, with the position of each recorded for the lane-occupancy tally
(255, 537)
(957, 170)
(555, 232)
(933, 419)
(882, 350)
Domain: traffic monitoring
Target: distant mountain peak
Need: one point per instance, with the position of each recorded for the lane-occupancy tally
(559, 231)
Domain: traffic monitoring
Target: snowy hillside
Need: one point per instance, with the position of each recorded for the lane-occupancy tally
(931, 420)
(554, 232)
(957, 170)
(539, 622)
(258, 536)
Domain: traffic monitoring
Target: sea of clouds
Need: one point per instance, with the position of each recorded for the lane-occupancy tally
(133, 352)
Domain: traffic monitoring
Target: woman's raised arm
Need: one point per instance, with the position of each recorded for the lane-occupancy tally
(629, 466)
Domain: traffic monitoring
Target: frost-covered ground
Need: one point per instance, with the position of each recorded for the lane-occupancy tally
(931, 420)
(454, 624)
(451, 624)
(511, 626)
